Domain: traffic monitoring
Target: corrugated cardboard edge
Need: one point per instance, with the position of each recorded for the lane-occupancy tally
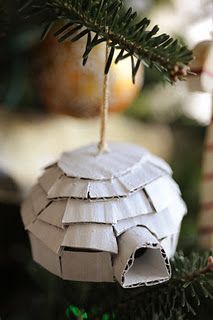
(169, 244)
(124, 262)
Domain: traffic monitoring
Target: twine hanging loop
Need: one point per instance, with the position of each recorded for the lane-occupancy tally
(102, 145)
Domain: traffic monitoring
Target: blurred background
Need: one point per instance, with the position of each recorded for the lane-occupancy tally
(49, 103)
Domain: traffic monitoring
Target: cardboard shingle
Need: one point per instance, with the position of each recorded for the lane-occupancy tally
(49, 177)
(91, 236)
(109, 211)
(87, 266)
(44, 256)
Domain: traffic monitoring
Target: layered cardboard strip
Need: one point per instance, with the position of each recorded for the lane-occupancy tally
(54, 213)
(65, 212)
(159, 163)
(76, 266)
(49, 177)
(107, 189)
(169, 244)
(141, 176)
(162, 192)
(162, 224)
(39, 199)
(87, 266)
(141, 260)
(44, 256)
(86, 211)
(89, 236)
(85, 236)
(27, 213)
(107, 211)
(65, 187)
(137, 178)
(50, 235)
(87, 163)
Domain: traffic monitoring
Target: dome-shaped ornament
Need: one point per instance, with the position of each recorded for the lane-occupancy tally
(105, 217)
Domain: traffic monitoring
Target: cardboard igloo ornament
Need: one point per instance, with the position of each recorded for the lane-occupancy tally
(105, 217)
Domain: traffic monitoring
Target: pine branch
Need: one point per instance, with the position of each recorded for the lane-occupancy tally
(192, 281)
(108, 21)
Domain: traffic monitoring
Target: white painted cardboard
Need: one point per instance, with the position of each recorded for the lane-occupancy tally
(169, 244)
(161, 193)
(121, 158)
(66, 187)
(91, 236)
(141, 176)
(162, 224)
(44, 256)
(87, 266)
(27, 213)
(109, 211)
(39, 199)
(135, 178)
(89, 226)
(159, 163)
(54, 213)
(151, 267)
(49, 177)
(89, 211)
(51, 236)
(107, 189)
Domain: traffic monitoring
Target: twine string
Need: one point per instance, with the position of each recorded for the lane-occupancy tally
(103, 146)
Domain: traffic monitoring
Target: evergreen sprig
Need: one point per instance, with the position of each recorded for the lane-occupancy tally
(191, 282)
(107, 20)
